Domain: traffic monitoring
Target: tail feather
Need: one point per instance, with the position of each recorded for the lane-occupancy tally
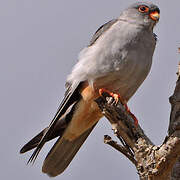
(62, 154)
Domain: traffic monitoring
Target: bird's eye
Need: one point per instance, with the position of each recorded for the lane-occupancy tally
(143, 9)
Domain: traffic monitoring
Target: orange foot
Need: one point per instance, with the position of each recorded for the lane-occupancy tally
(118, 97)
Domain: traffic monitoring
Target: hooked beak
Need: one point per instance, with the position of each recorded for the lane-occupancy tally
(154, 16)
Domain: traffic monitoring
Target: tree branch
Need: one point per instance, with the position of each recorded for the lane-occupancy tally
(120, 148)
(174, 126)
(152, 162)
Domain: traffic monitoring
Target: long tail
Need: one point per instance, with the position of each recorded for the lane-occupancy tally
(73, 112)
(62, 154)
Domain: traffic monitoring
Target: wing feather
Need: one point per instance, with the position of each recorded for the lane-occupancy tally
(71, 95)
(101, 30)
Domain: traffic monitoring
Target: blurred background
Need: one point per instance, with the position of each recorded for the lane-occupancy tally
(39, 43)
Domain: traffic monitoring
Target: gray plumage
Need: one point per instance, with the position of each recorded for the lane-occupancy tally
(118, 58)
(122, 54)
(102, 30)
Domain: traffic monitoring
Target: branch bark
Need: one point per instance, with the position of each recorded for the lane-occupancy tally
(152, 162)
(174, 125)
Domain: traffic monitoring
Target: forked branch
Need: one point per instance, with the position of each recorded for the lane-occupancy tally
(152, 162)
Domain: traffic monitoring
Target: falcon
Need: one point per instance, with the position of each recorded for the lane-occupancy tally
(117, 60)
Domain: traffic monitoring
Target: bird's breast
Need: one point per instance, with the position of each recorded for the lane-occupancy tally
(126, 63)
(126, 75)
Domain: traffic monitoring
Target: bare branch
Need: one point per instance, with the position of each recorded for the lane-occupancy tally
(174, 126)
(152, 162)
(120, 148)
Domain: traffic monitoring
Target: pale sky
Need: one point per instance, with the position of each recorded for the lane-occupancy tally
(39, 43)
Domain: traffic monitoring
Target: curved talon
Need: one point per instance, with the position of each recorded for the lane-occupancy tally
(118, 97)
(114, 95)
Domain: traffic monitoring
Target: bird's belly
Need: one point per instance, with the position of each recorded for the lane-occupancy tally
(125, 81)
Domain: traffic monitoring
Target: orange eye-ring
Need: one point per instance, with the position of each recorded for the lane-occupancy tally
(143, 9)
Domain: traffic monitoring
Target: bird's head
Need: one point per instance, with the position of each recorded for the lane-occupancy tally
(143, 13)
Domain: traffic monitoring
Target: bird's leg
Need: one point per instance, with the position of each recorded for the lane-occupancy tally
(118, 97)
(131, 114)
